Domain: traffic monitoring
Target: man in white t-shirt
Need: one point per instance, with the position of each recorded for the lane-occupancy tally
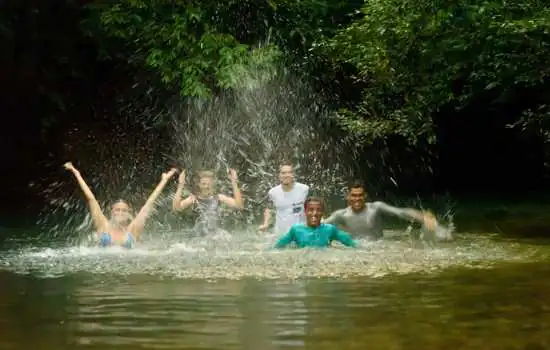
(288, 201)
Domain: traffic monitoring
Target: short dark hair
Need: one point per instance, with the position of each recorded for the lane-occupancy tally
(314, 199)
(356, 184)
(286, 163)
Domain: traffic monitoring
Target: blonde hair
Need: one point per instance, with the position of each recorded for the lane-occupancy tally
(206, 173)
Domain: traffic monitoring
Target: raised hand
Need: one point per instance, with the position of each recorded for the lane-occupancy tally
(233, 175)
(169, 174)
(69, 166)
(181, 177)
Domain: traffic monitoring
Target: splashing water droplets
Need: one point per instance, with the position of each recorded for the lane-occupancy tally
(272, 118)
(253, 130)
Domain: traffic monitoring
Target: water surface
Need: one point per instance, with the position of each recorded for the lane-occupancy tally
(482, 293)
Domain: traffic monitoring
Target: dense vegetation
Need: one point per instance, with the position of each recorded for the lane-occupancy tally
(432, 86)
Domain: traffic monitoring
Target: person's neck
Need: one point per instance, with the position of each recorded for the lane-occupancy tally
(357, 211)
(205, 195)
(313, 226)
(288, 188)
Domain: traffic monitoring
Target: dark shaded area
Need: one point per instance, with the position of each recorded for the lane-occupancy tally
(480, 154)
(50, 77)
(52, 82)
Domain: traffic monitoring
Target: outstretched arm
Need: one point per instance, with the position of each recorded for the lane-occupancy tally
(285, 240)
(343, 237)
(137, 225)
(99, 219)
(177, 203)
(237, 200)
(426, 218)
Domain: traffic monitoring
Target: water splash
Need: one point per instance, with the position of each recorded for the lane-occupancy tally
(254, 129)
(273, 116)
(242, 257)
(117, 162)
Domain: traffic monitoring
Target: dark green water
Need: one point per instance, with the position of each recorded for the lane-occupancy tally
(480, 292)
(507, 307)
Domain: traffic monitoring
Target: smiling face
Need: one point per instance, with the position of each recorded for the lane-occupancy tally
(121, 213)
(286, 175)
(314, 212)
(206, 185)
(356, 198)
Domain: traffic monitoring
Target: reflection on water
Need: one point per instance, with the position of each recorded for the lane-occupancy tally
(390, 295)
(460, 309)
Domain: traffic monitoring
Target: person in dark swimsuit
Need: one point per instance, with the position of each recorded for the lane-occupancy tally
(206, 204)
(122, 228)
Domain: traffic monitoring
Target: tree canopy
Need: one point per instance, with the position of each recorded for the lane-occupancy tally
(415, 57)
(408, 59)
(393, 71)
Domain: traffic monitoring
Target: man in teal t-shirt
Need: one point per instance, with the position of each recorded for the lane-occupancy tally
(313, 233)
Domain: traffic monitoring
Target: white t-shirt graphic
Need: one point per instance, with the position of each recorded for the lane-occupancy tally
(289, 206)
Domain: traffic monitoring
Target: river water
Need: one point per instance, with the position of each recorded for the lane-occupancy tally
(478, 292)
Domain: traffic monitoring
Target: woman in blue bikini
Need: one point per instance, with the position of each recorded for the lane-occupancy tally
(122, 228)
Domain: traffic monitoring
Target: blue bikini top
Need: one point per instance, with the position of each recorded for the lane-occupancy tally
(106, 240)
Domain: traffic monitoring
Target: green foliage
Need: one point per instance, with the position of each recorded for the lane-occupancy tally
(178, 40)
(415, 57)
(201, 46)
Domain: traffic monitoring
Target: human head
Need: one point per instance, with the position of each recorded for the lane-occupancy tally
(314, 208)
(286, 173)
(356, 195)
(121, 213)
(206, 182)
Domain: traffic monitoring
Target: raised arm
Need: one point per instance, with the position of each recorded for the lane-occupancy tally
(100, 221)
(236, 201)
(424, 217)
(285, 240)
(137, 225)
(343, 237)
(177, 203)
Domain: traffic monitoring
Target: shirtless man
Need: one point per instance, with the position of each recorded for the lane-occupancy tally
(288, 200)
(362, 218)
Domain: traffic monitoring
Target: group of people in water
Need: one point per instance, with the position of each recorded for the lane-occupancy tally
(299, 217)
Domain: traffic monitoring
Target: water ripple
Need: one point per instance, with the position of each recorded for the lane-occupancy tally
(244, 256)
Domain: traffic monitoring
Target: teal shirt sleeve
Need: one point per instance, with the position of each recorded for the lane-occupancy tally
(343, 237)
(286, 239)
